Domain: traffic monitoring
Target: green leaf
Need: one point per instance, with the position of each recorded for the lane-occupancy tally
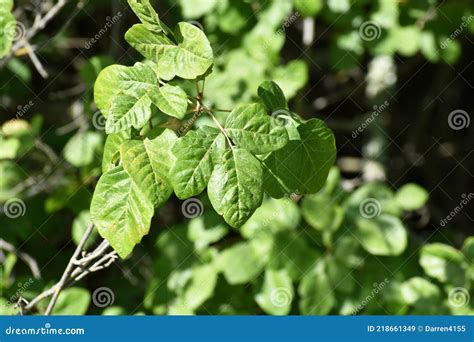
(7, 308)
(128, 111)
(201, 286)
(320, 211)
(233, 17)
(301, 166)
(291, 251)
(195, 154)
(272, 96)
(308, 8)
(443, 263)
(206, 229)
(148, 164)
(411, 196)
(422, 295)
(7, 27)
(171, 100)
(372, 199)
(239, 263)
(291, 77)
(339, 6)
(105, 87)
(468, 249)
(72, 301)
(83, 148)
(417, 288)
(9, 147)
(79, 227)
(316, 292)
(276, 294)
(235, 187)
(193, 9)
(120, 211)
(112, 150)
(272, 216)
(115, 79)
(251, 128)
(191, 58)
(382, 235)
(147, 15)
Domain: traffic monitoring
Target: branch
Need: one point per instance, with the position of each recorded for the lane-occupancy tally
(32, 264)
(94, 261)
(36, 62)
(69, 269)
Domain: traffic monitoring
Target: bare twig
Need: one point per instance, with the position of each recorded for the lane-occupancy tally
(36, 62)
(32, 264)
(48, 151)
(222, 129)
(94, 261)
(69, 269)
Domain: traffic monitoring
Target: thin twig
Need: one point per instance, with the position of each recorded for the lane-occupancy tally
(96, 260)
(218, 125)
(69, 269)
(36, 62)
(32, 264)
(48, 151)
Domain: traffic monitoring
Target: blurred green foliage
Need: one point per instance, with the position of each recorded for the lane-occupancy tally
(343, 250)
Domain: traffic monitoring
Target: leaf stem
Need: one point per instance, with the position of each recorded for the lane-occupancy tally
(218, 125)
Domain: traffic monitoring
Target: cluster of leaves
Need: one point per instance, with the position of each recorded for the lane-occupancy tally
(318, 255)
(323, 256)
(251, 153)
(386, 27)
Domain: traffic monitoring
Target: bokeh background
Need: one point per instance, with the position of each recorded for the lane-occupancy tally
(391, 78)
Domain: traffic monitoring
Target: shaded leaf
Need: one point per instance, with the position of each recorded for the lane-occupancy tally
(277, 293)
(443, 263)
(301, 166)
(315, 290)
(239, 263)
(83, 148)
(72, 301)
(411, 196)
(382, 235)
(272, 96)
